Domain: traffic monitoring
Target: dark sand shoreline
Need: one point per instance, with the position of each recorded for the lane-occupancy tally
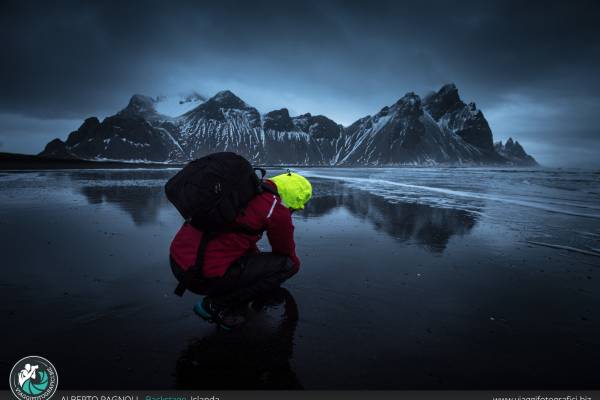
(19, 162)
(13, 162)
(390, 295)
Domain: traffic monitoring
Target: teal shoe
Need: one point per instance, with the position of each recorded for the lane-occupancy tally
(202, 312)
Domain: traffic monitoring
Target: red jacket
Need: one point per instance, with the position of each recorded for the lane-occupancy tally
(265, 211)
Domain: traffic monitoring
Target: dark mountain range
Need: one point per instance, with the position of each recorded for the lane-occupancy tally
(440, 129)
(514, 152)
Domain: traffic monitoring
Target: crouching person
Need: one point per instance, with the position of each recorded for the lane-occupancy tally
(226, 266)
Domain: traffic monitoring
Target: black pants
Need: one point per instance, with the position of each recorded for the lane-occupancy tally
(247, 278)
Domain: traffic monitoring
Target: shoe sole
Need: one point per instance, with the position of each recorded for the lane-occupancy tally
(205, 315)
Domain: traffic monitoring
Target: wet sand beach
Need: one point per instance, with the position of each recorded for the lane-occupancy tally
(410, 278)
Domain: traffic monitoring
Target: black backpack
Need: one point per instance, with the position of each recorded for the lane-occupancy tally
(210, 193)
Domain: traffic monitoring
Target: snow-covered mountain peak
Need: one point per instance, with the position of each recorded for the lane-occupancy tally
(227, 99)
(448, 94)
(443, 101)
(456, 117)
(222, 107)
(139, 105)
(279, 120)
(410, 103)
(514, 152)
(449, 89)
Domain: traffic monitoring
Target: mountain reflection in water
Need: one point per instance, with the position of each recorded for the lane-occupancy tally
(431, 227)
(139, 193)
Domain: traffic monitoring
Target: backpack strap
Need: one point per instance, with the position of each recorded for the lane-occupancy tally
(263, 172)
(269, 188)
(195, 271)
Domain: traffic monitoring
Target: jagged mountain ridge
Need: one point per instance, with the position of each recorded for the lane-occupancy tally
(405, 133)
(514, 152)
(441, 129)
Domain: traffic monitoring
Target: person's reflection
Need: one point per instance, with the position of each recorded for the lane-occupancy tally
(256, 356)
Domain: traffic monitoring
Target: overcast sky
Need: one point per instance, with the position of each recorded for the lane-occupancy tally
(532, 67)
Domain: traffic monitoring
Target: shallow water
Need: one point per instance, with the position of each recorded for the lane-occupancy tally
(411, 278)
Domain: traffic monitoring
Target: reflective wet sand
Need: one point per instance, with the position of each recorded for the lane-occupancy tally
(391, 294)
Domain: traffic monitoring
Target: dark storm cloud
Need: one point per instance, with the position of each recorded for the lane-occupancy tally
(68, 60)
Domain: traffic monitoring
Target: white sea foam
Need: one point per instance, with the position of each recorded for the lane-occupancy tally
(568, 248)
(415, 193)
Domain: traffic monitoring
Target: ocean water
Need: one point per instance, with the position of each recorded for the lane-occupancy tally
(410, 278)
(562, 205)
